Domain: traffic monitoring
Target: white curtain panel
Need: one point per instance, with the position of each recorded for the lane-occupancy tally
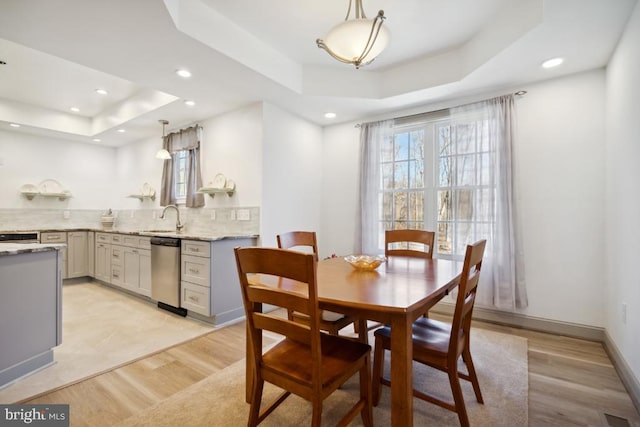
(368, 216)
(189, 140)
(491, 124)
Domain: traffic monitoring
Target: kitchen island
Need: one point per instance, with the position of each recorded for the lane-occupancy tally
(30, 308)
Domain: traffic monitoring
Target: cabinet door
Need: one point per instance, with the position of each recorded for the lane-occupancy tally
(130, 268)
(91, 247)
(57, 237)
(77, 254)
(103, 262)
(144, 287)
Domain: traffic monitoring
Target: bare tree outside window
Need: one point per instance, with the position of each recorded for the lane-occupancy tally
(180, 175)
(430, 182)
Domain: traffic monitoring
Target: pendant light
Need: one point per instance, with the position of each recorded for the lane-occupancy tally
(356, 41)
(162, 153)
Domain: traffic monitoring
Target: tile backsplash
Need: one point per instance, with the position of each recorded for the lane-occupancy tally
(210, 221)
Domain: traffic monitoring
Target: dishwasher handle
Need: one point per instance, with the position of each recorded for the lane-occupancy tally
(165, 241)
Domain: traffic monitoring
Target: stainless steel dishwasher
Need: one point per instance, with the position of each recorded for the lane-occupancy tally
(165, 273)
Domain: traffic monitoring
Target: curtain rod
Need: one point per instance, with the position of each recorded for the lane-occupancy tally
(442, 110)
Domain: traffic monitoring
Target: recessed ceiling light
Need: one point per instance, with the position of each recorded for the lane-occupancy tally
(96, 140)
(75, 109)
(102, 91)
(14, 125)
(330, 115)
(553, 62)
(183, 73)
(121, 130)
(189, 103)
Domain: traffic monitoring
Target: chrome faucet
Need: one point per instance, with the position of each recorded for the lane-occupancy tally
(179, 226)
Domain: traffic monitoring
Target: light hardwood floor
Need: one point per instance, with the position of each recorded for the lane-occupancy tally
(571, 381)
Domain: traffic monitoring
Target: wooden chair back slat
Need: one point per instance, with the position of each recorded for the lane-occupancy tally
(410, 239)
(298, 239)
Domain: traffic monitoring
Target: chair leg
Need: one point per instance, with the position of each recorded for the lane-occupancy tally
(466, 356)
(458, 397)
(316, 417)
(376, 377)
(366, 394)
(256, 399)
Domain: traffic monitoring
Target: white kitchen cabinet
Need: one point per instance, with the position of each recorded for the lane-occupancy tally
(77, 254)
(144, 286)
(57, 237)
(117, 254)
(103, 257)
(209, 283)
(130, 268)
(131, 263)
(75, 257)
(91, 249)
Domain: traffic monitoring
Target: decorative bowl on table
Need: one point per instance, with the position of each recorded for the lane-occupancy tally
(365, 262)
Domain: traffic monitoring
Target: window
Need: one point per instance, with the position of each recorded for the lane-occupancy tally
(180, 175)
(432, 181)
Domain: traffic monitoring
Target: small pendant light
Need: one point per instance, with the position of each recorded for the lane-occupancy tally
(162, 153)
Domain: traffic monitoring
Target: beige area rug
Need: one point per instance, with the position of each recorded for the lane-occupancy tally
(103, 329)
(501, 362)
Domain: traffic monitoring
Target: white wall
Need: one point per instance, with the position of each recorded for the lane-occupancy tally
(559, 154)
(559, 151)
(623, 193)
(341, 151)
(292, 176)
(85, 170)
(136, 164)
(231, 145)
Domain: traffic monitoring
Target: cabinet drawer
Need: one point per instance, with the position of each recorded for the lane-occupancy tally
(195, 270)
(117, 238)
(116, 275)
(117, 253)
(196, 248)
(144, 242)
(130, 241)
(53, 237)
(103, 238)
(195, 298)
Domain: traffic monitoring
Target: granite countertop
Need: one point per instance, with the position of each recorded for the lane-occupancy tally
(23, 248)
(188, 235)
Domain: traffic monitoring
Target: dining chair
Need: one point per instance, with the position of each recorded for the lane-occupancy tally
(411, 243)
(439, 344)
(306, 362)
(330, 321)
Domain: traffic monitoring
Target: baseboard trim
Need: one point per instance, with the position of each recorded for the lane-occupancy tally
(590, 333)
(517, 320)
(624, 371)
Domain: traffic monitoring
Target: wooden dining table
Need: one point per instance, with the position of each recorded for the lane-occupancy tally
(399, 291)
